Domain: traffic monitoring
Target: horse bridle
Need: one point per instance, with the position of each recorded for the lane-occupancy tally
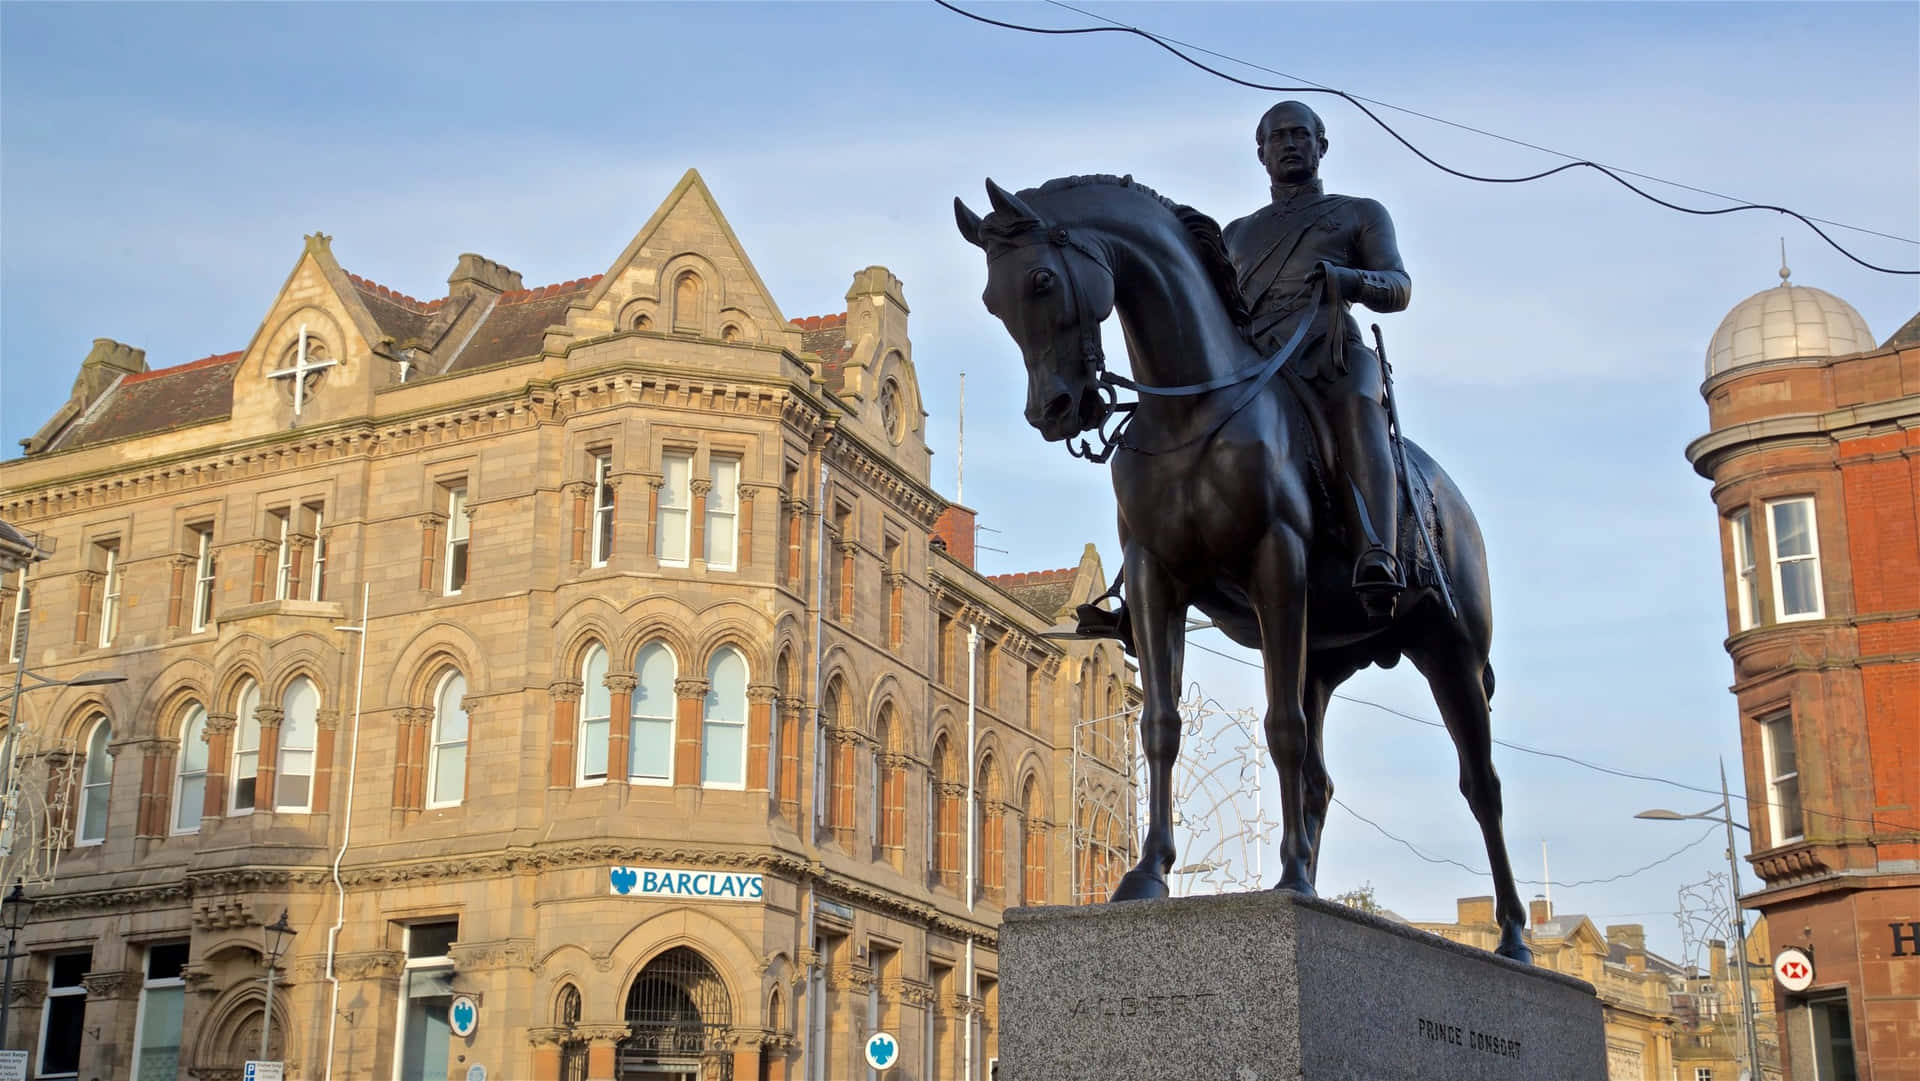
(1095, 360)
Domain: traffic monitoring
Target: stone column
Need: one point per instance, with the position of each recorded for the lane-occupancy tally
(896, 608)
(156, 788)
(268, 764)
(263, 569)
(582, 494)
(177, 610)
(546, 1051)
(566, 704)
(298, 545)
(796, 543)
(620, 724)
(697, 546)
(847, 550)
(327, 721)
(790, 707)
(219, 737)
(760, 699)
(112, 999)
(405, 767)
(601, 1043)
(83, 611)
(690, 694)
(743, 554)
(431, 531)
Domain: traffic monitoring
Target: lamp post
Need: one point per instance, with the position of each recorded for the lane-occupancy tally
(1724, 814)
(277, 932)
(18, 908)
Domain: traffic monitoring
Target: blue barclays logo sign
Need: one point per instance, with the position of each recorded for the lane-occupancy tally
(674, 882)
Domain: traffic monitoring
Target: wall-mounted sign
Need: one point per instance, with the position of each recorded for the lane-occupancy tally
(882, 1051)
(1793, 968)
(463, 1015)
(684, 883)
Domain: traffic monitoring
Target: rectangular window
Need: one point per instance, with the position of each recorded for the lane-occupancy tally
(426, 994)
(1747, 601)
(63, 1020)
(110, 593)
(317, 568)
(1796, 560)
(22, 618)
(202, 576)
(1703, 1073)
(456, 554)
(246, 752)
(676, 503)
(1783, 777)
(602, 508)
(283, 555)
(723, 512)
(157, 1028)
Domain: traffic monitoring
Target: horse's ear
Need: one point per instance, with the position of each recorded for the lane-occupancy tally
(1008, 202)
(968, 221)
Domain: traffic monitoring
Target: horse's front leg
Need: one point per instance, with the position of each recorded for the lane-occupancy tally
(1158, 603)
(1279, 594)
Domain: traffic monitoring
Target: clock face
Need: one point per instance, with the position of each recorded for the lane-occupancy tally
(891, 417)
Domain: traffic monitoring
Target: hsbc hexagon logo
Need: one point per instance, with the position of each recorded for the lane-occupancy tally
(1793, 969)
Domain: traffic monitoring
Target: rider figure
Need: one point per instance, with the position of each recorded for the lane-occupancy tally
(1282, 252)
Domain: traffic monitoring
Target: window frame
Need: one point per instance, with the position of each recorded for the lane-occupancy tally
(317, 559)
(436, 746)
(581, 778)
(77, 989)
(1776, 560)
(1746, 581)
(634, 717)
(411, 965)
(601, 538)
(706, 722)
(283, 556)
(195, 713)
(203, 578)
(722, 521)
(1770, 733)
(110, 593)
(454, 548)
(91, 789)
(282, 749)
(243, 713)
(22, 618)
(148, 982)
(676, 504)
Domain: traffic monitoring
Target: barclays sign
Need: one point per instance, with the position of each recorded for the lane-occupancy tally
(685, 884)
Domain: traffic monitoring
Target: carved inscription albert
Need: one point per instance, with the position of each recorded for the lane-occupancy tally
(1126, 1006)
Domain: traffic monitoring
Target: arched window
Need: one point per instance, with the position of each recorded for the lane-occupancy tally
(246, 748)
(1033, 852)
(839, 761)
(678, 1010)
(596, 711)
(96, 783)
(299, 733)
(723, 722)
(948, 792)
(650, 742)
(686, 301)
(991, 853)
(190, 775)
(447, 761)
(573, 1050)
(892, 783)
(787, 742)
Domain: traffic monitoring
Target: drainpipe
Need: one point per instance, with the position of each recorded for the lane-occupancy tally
(973, 647)
(346, 830)
(816, 1006)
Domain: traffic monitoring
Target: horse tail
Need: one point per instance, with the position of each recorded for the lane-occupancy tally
(1486, 681)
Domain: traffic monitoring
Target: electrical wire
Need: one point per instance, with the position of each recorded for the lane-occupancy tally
(1644, 868)
(1611, 174)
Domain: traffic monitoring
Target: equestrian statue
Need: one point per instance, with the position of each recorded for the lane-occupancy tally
(1260, 477)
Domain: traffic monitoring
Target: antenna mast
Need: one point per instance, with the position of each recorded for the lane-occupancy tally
(960, 457)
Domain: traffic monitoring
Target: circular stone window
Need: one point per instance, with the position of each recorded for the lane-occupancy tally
(892, 418)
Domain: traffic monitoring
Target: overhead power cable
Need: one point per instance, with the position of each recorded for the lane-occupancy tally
(1614, 175)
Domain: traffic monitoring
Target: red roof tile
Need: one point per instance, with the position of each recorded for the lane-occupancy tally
(159, 400)
(517, 326)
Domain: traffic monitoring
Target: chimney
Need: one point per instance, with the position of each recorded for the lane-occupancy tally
(1717, 952)
(954, 532)
(1632, 937)
(1475, 910)
(876, 325)
(478, 274)
(1539, 911)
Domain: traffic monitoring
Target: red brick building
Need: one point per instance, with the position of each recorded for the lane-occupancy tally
(1814, 452)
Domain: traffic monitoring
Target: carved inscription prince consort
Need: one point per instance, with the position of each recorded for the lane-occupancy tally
(1442, 1033)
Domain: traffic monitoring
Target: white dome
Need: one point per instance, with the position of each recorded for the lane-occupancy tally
(1785, 322)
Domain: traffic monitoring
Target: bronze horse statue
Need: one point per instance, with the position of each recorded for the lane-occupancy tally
(1219, 480)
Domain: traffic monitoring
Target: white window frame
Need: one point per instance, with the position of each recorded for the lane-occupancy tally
(456, 543)
(723, 511)
(195, 713)
(110, 595)
(672, 718)
(744, 724)
(22, 617)
(602, 507)
(581, 779)
(438, 746)
(412, 965)
(317, 561)
(149, 983)
(1703, 1073)
(1771, 727)
(91, 790)
(676, 508)
(1812, 555)
(46, 1011)
(1746, 583)
(203, 580)
(282, 749)
(283, 557)
(246, 709)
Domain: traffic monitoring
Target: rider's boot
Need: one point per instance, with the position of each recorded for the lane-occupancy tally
(1377, 579)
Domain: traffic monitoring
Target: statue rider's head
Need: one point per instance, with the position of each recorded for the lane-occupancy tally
(1291, 141)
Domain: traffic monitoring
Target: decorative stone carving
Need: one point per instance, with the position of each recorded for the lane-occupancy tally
(763, 692)
(269, 717)
(622, 682)
(112, 986)
(690, 688)
(369, 964)
(498, 953)
(219, 724)
(551, 1035)
(327, 720)
(701, 486)
(198, 980)
(29, 994)
(601, 1033)
(564, 690)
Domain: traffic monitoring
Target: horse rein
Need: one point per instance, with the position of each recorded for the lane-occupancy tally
(1095, 359)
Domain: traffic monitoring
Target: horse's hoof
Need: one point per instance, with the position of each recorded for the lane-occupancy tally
(1138, 885)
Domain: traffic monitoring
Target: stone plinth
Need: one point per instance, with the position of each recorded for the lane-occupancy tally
(1271, 987)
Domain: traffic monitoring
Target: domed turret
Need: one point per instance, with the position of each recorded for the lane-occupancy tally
(1785, 322)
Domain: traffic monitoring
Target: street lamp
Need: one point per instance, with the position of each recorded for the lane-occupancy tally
(1724, 814)
(18, 907)
(278, 931)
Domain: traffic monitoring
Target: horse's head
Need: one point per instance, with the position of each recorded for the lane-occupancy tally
(1051, 288)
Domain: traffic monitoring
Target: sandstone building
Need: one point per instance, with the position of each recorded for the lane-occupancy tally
(1813, 449)
(598, 653)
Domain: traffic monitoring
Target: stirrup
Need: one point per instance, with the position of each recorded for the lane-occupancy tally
(1382, 576)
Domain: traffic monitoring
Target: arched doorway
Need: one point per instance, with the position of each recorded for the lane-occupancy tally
(678, 1018)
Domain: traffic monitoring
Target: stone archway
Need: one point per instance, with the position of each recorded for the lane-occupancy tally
(679, 1019)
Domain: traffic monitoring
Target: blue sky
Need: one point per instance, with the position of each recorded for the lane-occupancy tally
(159, 164)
